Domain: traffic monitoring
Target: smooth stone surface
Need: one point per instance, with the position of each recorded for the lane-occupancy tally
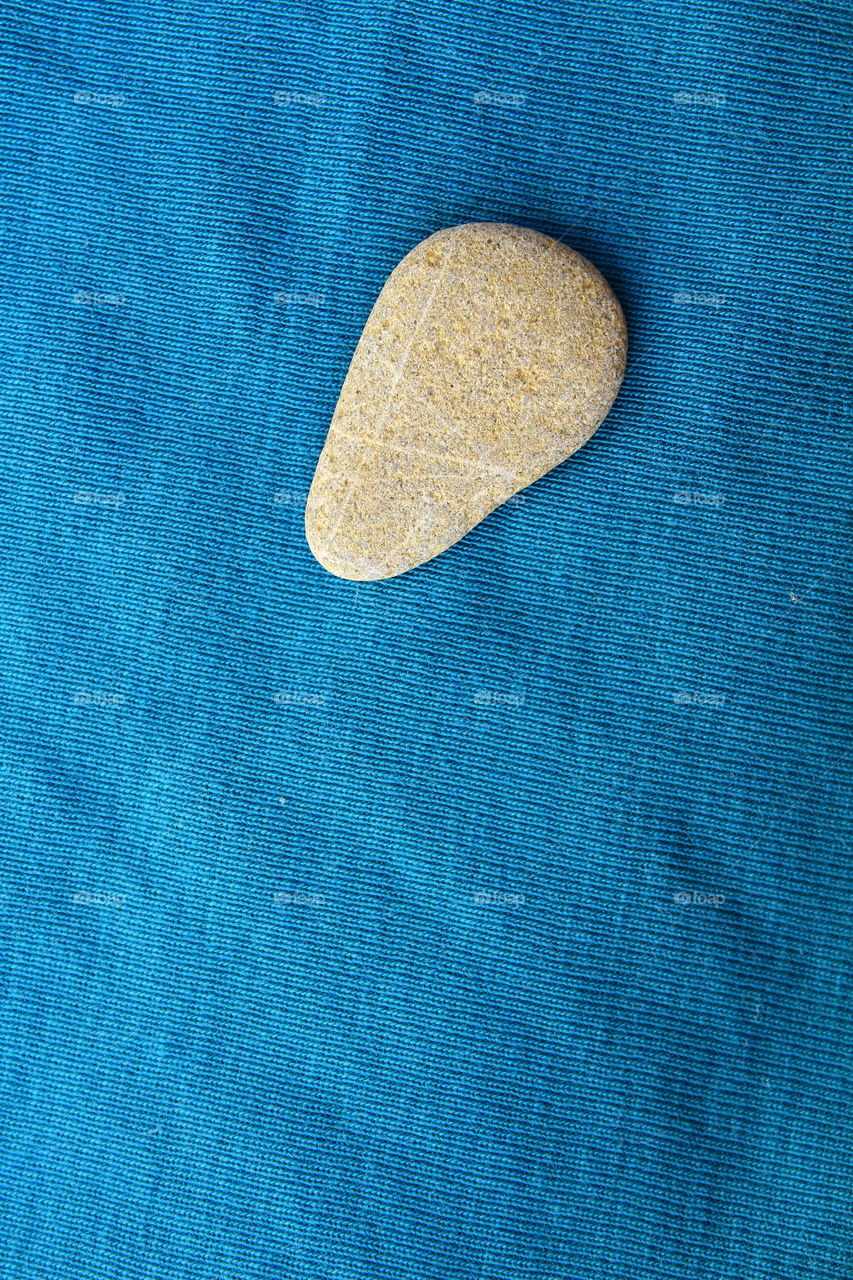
(492, 353)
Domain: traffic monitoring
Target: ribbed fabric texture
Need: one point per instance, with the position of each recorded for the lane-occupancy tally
(492, 922)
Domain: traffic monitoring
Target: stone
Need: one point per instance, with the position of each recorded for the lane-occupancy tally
(492, 353)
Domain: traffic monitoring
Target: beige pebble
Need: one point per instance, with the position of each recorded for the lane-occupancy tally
(492, 353)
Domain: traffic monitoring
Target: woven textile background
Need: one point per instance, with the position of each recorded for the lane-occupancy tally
(492, 922)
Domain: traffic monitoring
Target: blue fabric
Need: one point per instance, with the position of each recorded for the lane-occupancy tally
(491, 922)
